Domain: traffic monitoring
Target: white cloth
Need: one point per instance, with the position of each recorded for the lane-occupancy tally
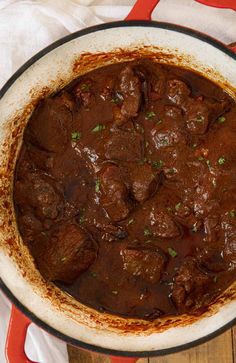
(28, 26)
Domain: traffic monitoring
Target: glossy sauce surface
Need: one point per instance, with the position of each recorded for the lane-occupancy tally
(125, 189)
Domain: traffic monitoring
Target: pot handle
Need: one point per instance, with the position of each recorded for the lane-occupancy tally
(232, 46)
(142, 10)
(15, 342)
(123, 360)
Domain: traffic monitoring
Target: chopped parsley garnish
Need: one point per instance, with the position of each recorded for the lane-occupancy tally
(164, 142)
(200, 158)
(143, 161)
(221, 120)
(114, 292)
(208, 163)
(172, 252)
(193, 146)
(150, 115)
(177, 206)
(200, 119)
(158, 164)
(221, 160)
(159, 122)
(115, 100)
(131, 221)
(147, 232)
(232, 213)
(97, 185)
(94, 274)
(99, 128)
(171, 171)
(76, 135)
(148, 241)
(215, 278)
(85, 87)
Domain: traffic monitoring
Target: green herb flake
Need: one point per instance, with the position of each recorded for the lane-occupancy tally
(159, 122)
(131, 221)
(147, 232)
(177, 206)
(232, 213)
(149, 115)
(81, 219)
(200, 158)
(215, 278)
(208, 163)
(94, 274)
(171, 171)
(99, 128)
(76, 135)
(200, 119)
(193, 146)
(97, 185)
(85, 87)
(148, 241)
(221, 120)
(147, 144)
(194, 227)
(164, 142)
(114, 292)
(115, 100)
(158, 164)
(172, 252)
(221, 160)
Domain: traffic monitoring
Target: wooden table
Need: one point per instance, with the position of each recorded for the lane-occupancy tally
(219, 350)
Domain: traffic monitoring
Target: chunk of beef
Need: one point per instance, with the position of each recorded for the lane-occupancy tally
(146, 263)
(29, 226)
(190, 286)
(37, 191)
(48, 127)
(229, 229)
(177, 91)
(124, 146)
(83, 92)
(197, 115)
(144, 182)
(114, 197)
(66, 253)
(129, 86)
(162, 224)
(210, 257)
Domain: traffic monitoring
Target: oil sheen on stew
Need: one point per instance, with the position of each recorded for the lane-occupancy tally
(125, 190)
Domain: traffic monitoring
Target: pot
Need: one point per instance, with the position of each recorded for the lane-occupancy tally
(47, 72)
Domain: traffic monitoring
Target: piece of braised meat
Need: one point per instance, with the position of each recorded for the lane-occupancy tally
(162, 225)
(144, 182)
(66, 253)
(37, 191)
(129, 86)
(48, 128)
(114, 193)
(190, 289)
(143, 262)
(124, 146)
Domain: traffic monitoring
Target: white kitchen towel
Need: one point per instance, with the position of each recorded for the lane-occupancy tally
(28, 26)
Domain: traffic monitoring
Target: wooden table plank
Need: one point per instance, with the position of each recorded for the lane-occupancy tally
(218, 350)
(81, 356)
(234, 343)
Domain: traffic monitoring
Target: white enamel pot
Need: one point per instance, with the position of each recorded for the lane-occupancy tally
(43, 302)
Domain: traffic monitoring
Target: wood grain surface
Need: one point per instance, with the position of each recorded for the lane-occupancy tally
(219, 350)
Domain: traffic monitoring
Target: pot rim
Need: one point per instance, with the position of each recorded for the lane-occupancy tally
(117, 24)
